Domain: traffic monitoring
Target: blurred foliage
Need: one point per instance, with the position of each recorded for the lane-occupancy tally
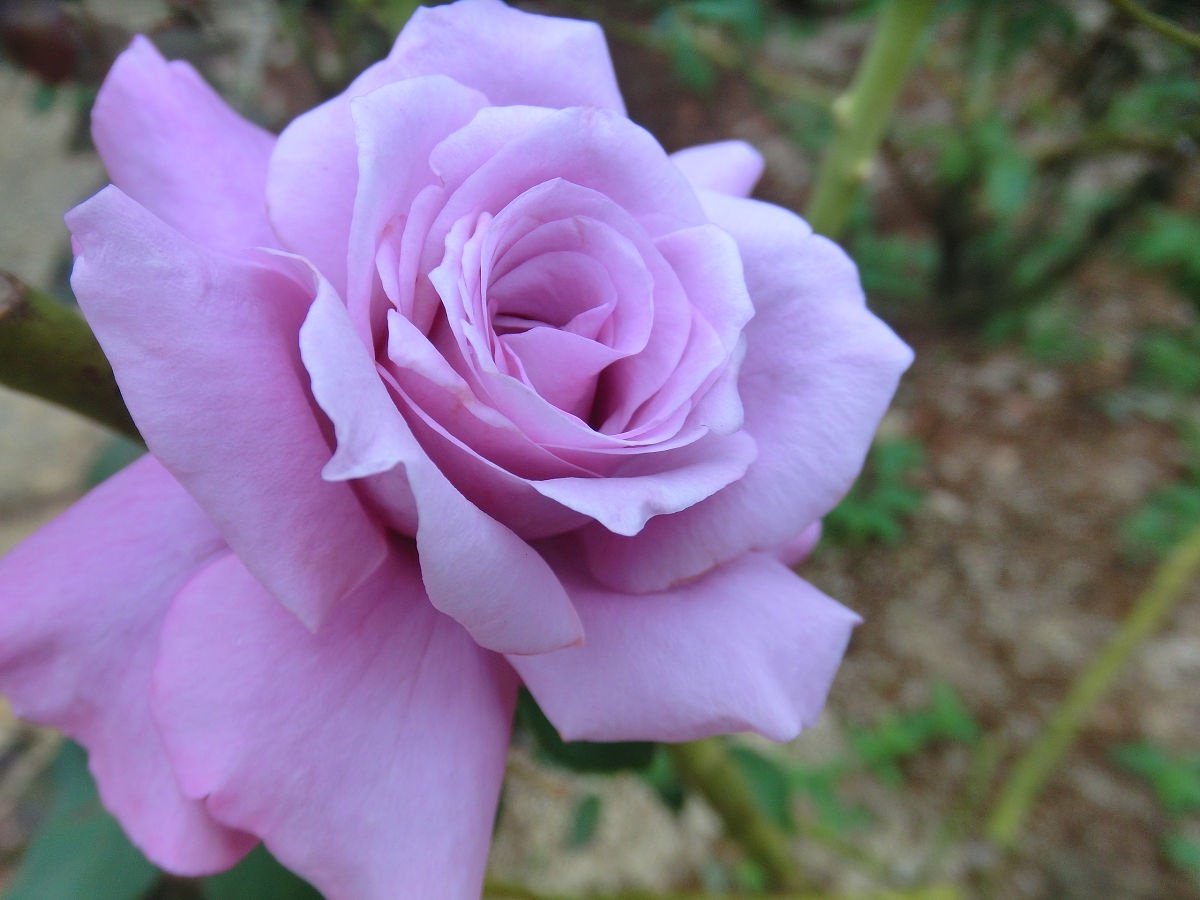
(80, 850)
(880, 749)
(883, 497)
(578, 756)
(1175, 781)
(1169, 514)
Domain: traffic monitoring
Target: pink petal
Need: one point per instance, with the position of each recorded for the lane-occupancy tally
(746, 647)
(396, 128)
(798, 549)
(81, 606)
(368, 756)
(172, 144)
(205, 349)
(819, 373)
(655, 484)
(727, 167)
(475, 569)
(512, 56)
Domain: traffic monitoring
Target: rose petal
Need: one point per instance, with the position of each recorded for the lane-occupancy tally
(367, 756)
(798, 549)
(727, 167)
(314, 169)
(396, 128)
(514, 57)
(204, 347)
(655, 484)
(81, 605)
(169, 142)
(475, 569)
(819, 372)
(747, 647)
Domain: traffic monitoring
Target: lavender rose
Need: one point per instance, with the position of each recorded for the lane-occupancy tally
(461, 381)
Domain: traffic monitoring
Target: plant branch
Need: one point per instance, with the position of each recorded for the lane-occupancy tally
(1165, 27)
(1170, 581)
(707, 767)
(46, 349)
(863, 112)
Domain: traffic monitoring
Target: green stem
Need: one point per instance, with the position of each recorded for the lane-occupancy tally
(46, 349)
(1154, 22)
(707, 767)
(1034, 768)
(862, 114)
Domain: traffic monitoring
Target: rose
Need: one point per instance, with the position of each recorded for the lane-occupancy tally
(462, 339)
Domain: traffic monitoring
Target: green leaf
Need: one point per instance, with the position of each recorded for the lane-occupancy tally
(113, 457)
(258, 877)
(579, 756)
(583, 822)
(660, 775)
(769, 784)
(1183, 853)
(80, 850)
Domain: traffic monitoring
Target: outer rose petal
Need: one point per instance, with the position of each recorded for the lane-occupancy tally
(727, 167)
(204, 347)
(81, 606)
(819, 372)
(170, 143)
(798, 549)
(747, 647)
(367, 756)
(514, 57)
(474, 568)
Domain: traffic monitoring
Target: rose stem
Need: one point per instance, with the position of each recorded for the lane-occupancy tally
(47, 349)
(707, 767)
(1165, 27)
(861, 115)
(1027, 778)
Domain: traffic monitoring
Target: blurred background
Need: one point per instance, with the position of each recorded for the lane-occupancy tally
(1031, 227)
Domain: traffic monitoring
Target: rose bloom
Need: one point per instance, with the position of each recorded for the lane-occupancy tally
(458, 383)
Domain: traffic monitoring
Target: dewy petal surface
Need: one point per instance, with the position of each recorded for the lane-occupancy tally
(367, 756)
(747, 647)
(169, 142)
(205, 349)
(819, 373)
(82, 603)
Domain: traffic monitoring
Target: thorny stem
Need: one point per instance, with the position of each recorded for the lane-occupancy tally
(863, 112)
(1165, 27)
(1020, 791)
(46, 349)
(707, 767)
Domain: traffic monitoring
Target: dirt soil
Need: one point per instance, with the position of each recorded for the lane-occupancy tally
(1010, 579)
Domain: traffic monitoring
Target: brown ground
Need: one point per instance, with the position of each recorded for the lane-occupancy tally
(1009, 581)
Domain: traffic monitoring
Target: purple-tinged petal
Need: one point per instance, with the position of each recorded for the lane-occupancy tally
(169, 142)
(655, 484)
(82, 603)
(798, 549)
(819, 373)
(367, 756)
(396, 128)
(747, 647)
(514, 57)
(727, 167)
(205, 349)
(475, 569)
